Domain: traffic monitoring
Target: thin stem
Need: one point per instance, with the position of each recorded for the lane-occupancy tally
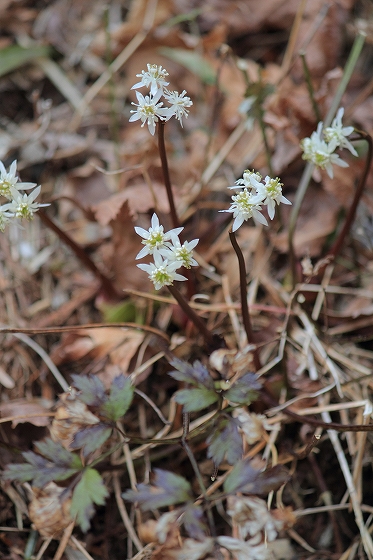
(106, 283)
(311, 92)
(243, 293)
(211, 340)
(347, 73)
(166, 175)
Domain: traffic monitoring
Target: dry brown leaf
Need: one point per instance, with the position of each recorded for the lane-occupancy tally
(49, 511)
(27, 410)
(72, 415)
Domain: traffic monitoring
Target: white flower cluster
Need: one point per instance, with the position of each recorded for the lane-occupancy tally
(168, 253)
(254, 193)
(320, 147)
(149, 108)
(21, 205)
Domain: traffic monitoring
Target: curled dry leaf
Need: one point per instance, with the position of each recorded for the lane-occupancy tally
(49, 509)
(72, 415)
(25, 410)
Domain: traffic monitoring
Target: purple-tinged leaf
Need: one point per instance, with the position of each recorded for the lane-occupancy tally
(39, 470)
(195, 399)
(92, 389)
(91, 438)
(194, 375)
(194, 523)
(120, 398)
(269, 480)
(240, 476)
(56, 453)
(225, 441)
(244, 390)
(90, 490)
(168, 489)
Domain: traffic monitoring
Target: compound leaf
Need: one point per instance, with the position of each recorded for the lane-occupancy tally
(244, 390)
(120, 398)
(240, 476)
(91, 438)
(196, 398)
(92, 389)
(194, 523)
(225, 441)
(90, 490)
(40, 470)
(196, 374)
(168, 489)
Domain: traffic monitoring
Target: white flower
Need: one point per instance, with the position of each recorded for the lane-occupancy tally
(272, 193)
(155, 237)
(9, 179)
(161, 272)
(5, 216)
(245, 108)
(23, 205)
(179, 103)
(246, 205)
(149, 110)
(320, 152)
(338, 132)
(154, 79)
(182, 253)
(250, 180)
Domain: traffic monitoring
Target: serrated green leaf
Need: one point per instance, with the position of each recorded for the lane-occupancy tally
(90, 490)
(92, 389)
(244, 390)
(196, 398)
(168, 489)
(121, 395)
(15, 56)
(192, 61)
(225, 441)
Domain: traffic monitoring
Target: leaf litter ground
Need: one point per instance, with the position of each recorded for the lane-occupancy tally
(66, 74)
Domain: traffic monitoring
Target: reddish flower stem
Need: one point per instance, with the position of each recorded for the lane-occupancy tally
(243, 292)
(166, 175)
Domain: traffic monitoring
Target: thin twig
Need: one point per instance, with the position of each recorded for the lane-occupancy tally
(106, 283)
(244, 304)
(212, 341)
